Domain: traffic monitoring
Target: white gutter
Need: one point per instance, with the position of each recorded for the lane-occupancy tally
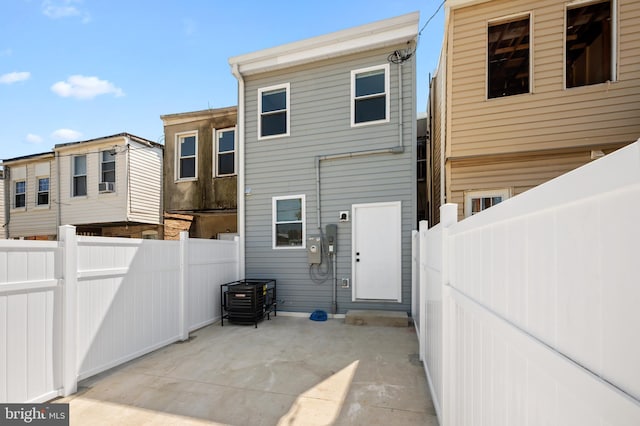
(240, 184)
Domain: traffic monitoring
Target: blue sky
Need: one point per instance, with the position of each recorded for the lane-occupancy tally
(73, 70)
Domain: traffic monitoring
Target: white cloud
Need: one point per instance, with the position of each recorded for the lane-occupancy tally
(14, 77)
(35, 139)
(56, 9)
(189, 26)
(81, 87)
(66, 135)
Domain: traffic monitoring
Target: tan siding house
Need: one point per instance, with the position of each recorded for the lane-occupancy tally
(31, 201)
(528, 91)
(3, 204)
(112, 186)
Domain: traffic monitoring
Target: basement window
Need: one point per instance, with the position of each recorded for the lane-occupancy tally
(288, 222)
(477, 201)
(589, 44)
(509, 57)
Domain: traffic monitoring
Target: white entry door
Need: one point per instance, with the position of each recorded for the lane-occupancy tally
(376, 256)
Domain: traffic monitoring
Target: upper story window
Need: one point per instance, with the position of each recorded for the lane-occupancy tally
(289, 222)
(187, 149)
(108, 166)
(20, 196)
(43, 192)
(273, 111)
(79, 175)
(225, 146)
(509, 57)
(589, 44)
(370, 95)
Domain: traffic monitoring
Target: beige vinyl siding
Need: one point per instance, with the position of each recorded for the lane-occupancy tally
(35, 220)
(145, 184)
(515, 174)
(551, 117)
(3, 222)
(320, 124)
(94, 207)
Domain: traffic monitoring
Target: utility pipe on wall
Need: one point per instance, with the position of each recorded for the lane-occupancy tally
(240, 184)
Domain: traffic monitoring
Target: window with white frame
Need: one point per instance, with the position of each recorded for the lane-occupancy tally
(108, 166)
(43, 192)
(509, 56)
(289, 222)
(589, 43)
(477, 201)
(79, 175)
(225, 155)
(20, 195)
(370, 95)
(273, 111)
(187, 149)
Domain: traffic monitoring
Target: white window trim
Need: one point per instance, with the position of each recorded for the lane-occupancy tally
(274, 201)
(387, 94)
(505, 193)
(287, 87)
(42, 206)
(614, 42)
(74, 175)
(102, 163)
(500, 20)
(216, 147)
(178, 137)
(15, 194)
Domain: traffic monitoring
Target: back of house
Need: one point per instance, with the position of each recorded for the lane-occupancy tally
(327, 199)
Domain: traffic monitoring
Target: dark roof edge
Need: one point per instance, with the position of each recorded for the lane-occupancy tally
(123, 134)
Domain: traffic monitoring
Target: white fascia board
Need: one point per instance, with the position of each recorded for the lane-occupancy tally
(379, 34)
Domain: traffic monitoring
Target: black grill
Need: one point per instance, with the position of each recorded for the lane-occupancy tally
(248, 301)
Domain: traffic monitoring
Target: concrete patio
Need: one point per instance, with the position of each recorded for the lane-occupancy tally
(288, 371)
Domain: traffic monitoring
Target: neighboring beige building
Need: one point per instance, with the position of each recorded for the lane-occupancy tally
(109, 186)
(200, 183)
(3, 204)
(32, 205)
(526, 91)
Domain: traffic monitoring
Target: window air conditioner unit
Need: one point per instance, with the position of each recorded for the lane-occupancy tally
(106, 187)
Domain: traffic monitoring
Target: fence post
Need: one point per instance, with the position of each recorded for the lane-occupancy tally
(423, 227)
(183, 322)
(448, 218)
(415, 276)
(69, 244)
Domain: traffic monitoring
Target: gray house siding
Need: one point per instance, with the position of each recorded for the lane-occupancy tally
(320, 118)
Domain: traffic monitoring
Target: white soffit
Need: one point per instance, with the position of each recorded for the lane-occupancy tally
(400, 29)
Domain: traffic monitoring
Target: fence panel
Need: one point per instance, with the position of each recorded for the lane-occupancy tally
(29, 321)
(210, 263)
(127, 300)
(539, 304)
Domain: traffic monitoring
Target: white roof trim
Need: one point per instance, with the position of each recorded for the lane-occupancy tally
(379, 34)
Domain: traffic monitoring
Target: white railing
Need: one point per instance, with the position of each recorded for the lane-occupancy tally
(74, 308)
(532, 307)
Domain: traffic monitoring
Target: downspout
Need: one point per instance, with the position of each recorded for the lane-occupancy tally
(241, 178)
(128, 165)
(58, 191)
(6, 195)
(398, 149)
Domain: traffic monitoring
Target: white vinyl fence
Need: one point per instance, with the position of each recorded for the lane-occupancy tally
(530, 311)
(75, 308)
